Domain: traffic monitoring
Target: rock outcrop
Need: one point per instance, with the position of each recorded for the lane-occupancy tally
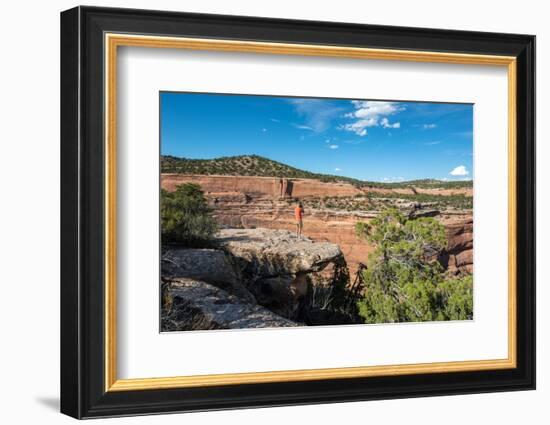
(270, 268)
(459, 256)
(276, 264)
(267, 253)
(209, 265)
(191, 304)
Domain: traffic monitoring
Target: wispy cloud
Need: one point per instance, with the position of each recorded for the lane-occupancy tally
(317, 113)
(274, 120)
(435, 142)
(371, 114)
(459, 171)
(333, 146)
(302, 127)
(429, 126)
(264, 130)
(337, 169)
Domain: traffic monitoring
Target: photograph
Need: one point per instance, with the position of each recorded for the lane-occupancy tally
(307, 211)
(285, 210)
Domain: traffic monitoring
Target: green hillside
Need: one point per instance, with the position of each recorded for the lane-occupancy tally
(254, 165)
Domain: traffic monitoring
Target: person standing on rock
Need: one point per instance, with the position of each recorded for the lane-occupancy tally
(298, 214)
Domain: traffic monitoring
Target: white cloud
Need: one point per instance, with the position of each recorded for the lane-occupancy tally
(337, 169)
(275, 120)
(303, 127)
(429, 126)
(459, 171)
(358, 127)
(317, 113)
(374, 109)
(333, 146)
(264, 130)
(384, 122)
(371, 114)
(435, 142)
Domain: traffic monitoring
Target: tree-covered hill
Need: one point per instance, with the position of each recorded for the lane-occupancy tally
(254, 165)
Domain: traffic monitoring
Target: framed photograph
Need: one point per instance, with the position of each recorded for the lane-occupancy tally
(261, 212)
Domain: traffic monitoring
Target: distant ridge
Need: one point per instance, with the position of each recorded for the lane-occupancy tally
(255, 165)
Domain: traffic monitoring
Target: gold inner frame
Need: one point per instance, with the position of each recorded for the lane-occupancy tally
(113, 41)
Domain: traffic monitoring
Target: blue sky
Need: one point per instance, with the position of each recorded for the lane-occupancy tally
(367, 140)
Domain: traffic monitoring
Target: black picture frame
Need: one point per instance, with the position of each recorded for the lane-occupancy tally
(83, 392)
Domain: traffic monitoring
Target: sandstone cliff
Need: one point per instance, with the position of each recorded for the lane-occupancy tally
(267, 202)
(283, 187)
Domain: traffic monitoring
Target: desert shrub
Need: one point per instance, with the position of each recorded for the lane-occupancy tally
(404, 281)
(457, 298)
(186, 217)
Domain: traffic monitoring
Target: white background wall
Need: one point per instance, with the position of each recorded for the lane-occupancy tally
(29, 212)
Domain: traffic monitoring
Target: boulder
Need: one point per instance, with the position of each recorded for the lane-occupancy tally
(263, 253)
(464, 258)
(276, 263)
(191, 304)
(209, 265)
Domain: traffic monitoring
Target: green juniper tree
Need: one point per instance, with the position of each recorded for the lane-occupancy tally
(186, 217)
(404, 281)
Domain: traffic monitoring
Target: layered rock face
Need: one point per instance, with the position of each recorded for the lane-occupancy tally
(255, 278)
(281, 187)
(322, 226)
(264, 202)
(260, 186)
(459, 256)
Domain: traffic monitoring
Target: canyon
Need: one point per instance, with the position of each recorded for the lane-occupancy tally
(331, 210)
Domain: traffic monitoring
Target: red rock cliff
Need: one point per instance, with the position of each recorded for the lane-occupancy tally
(254, 202)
